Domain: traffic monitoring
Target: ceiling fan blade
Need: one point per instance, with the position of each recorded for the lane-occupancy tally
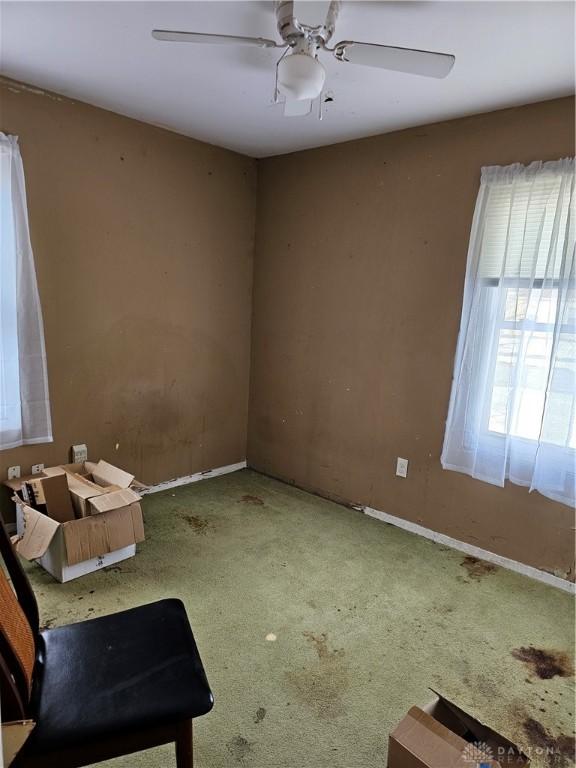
(410, 60)
(294, 108)
(201, 37)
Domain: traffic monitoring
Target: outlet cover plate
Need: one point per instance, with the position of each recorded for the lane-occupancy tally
(13, 473)
(79, 453)
(401, 467)
(37, 469)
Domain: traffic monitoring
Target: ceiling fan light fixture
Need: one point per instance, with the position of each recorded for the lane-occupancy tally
(300, 76)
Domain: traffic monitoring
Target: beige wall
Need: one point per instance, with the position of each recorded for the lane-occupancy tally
(143, 242)
(360, 262)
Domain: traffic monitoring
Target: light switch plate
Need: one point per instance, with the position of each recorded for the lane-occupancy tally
(13, 473)
(37, 469)
(401, 467)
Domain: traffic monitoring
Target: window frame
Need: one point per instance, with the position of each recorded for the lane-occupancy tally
(522, 326)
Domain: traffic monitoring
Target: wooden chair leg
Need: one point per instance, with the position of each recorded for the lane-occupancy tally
(184, 756)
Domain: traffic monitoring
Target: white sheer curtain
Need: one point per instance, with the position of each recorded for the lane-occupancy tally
(512, 411)
(24, 404)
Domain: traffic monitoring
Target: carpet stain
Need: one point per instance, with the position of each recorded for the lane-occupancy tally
(321, 685)
(198, 524)
(260, 715)
(545, 664)
(320, 642)
(239, 747)
(48, 624)
(254, 500)
(477, 568)
(559, 751)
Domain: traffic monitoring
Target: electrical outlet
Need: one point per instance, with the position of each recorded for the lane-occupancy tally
(401, 467)
(37, 469)
(79, 453)
(13, 473)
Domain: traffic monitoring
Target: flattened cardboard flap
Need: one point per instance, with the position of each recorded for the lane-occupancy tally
(137, 522)
(82, 486)
(84, 539)
(53, 471)
(57, 498)
(114, 500)
(97, 535)
(107, 474)
(39, 530)
(125, 527)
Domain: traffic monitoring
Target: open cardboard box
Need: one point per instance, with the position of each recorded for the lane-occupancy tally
(93, 518)
(441, 735)
(89, 480)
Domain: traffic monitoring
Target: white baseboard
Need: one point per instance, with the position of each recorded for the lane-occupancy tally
(193, 478)
(470, 549)
(419, 530)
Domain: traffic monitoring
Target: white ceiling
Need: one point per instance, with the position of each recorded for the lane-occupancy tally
(507, 53)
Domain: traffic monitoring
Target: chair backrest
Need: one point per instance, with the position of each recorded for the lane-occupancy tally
(18, 632)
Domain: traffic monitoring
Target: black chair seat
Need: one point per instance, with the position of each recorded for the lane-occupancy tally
(131, 670)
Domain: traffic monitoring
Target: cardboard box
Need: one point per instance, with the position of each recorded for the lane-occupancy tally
(106, 474)
(75, 548)
(441, 735)
(79, 524)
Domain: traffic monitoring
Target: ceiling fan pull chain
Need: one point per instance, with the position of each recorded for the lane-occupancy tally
(276, 92)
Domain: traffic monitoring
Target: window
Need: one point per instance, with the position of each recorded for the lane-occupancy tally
(525, 331)
(24, 405)
(513, 406)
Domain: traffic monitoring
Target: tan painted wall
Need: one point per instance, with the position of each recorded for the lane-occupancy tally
(360, 262)
(143, 242)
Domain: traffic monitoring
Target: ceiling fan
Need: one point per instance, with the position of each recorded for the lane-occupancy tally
(300, 76)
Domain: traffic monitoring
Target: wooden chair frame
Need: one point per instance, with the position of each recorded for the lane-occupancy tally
(15, 706)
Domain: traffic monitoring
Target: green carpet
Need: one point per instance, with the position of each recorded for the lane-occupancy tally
(366, 618)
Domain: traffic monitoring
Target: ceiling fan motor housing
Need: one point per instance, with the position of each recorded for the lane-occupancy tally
(292, 30)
